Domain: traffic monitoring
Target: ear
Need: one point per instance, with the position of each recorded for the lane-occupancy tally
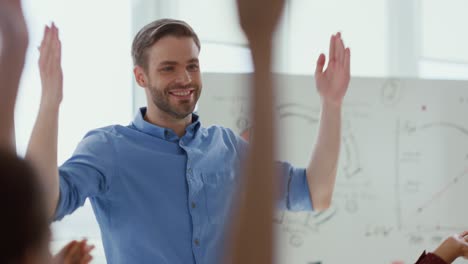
(140, 76)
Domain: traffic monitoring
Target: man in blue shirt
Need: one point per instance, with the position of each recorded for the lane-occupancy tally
(162, 187)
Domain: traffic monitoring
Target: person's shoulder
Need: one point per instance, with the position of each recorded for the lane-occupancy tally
(218, 133)
(216, 129)
(111, 130)
(104, 134)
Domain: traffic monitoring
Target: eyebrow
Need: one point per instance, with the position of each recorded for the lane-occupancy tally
(194, 60)
(168, 63)
(164, 63)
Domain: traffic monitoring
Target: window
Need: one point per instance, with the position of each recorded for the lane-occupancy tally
(444, 53)
(312, 22)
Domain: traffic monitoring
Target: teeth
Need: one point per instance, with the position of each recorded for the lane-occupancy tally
(181, 93)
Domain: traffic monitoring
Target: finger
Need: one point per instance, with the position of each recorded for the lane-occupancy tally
(56, 44)
(48, 37)
(87, 259)
(331, 51)
(339, 50)
(55, 32)
(47, 48)
(342, 47)
(320, 64)
(53, 29)
(59, 47)
(59, 51)
(52, 39)
(85, 248)
(67, 247)
(56, 50)
(43, 38)
(82, 245)
(88, 248)
(84, 241)
(74, 250)
(71, 244)
(464, 235)
(347, 61)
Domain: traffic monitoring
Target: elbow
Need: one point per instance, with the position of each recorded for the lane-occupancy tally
(52, 205)
(321, 202)
(321, 206)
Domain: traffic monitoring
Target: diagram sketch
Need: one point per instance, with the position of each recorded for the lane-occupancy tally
(402, 172)
(428, 186)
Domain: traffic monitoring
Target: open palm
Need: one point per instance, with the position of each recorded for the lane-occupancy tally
(75, 252)
(50, 65)
(332, 83)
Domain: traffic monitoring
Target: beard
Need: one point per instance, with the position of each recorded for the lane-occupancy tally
(180, 109)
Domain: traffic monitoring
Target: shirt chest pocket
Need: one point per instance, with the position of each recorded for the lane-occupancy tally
(219, 188)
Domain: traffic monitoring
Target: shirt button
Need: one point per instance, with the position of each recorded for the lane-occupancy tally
(194, 205)
(197, 242)
(189, 170)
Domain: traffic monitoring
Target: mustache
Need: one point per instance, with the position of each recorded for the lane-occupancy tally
(188, 86)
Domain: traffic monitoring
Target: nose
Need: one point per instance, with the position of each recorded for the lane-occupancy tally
(184, 78)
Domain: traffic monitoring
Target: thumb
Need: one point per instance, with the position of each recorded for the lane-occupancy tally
(320, 65)
(463, 234)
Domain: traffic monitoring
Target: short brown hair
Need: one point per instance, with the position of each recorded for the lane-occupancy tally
(156, 30)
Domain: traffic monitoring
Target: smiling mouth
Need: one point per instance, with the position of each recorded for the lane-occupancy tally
(182, 93)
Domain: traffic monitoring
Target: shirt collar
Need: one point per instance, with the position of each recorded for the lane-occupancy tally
(161, 132)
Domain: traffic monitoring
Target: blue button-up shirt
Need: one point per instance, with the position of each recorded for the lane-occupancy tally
(159, 198)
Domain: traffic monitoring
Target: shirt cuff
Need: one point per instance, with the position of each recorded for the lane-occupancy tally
(298, 191)
(60, 209)
(430, 258)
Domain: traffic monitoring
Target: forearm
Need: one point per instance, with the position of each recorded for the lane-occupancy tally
(262, 146)
(13, 47)
(256, 211)
(9, 79)
(42, 151)
(260, 164)
(449, 250)
(322, 168)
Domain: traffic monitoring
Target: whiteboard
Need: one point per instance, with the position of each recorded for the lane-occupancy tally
(403, 164)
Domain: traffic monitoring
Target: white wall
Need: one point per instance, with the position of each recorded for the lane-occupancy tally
(444, 42)
(311, 23)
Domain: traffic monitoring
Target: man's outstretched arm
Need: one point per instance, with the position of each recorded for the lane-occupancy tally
(42, 148)
(332, 85)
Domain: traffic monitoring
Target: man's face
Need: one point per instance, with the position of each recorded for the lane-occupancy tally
(173, 75)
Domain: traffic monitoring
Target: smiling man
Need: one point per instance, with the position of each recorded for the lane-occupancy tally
(165, 55)
(162, 187)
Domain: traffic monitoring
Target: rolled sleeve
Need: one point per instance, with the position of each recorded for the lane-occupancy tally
(294, 194)
(293, 189)
(86, 174)
(64, 202)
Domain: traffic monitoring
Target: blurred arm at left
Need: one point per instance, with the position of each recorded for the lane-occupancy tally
(13, 44)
